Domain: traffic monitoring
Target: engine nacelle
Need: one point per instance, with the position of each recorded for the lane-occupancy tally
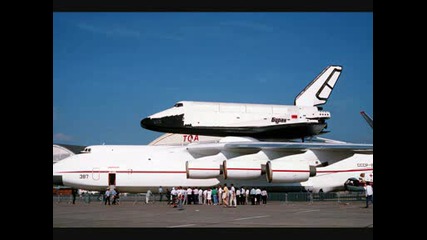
(241, 169)
(289, 171)
(205, 167)
(202, 169)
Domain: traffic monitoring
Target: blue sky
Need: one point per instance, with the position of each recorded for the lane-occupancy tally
(110, 70)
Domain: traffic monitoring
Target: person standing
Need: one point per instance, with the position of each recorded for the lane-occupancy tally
(215, 195)
(225, 196)
(195, 196)
(117, 198)
(264, 196)
(107, 197)
(161, 193)
(168, 196)
(253, 195)
(180, 197)
(220, 190)
(147, 196)
(174, 195)
(189, 195)
(233, 197)
(74, 193)
(209, 196)
(238, 196)
(368, 193)
(113, 196)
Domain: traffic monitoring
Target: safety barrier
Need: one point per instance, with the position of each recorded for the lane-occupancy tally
(274, 196)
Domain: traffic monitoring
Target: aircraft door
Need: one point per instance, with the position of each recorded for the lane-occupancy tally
(95, 174)
(111, 179)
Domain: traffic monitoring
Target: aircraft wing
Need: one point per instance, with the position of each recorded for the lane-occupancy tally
(292, 146)
(283, 147)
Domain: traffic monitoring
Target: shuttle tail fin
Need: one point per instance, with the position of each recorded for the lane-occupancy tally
(368, 119)
(317, 92)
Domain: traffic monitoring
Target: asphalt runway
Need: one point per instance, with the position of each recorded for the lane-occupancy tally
(275, 214)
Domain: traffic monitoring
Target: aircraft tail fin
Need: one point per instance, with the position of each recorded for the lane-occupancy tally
(368, 119)
(317, 92)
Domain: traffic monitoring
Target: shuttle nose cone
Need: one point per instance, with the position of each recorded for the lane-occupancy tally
(147, 123)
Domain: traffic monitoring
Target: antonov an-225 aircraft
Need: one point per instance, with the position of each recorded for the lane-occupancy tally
(261, 121)
(243, 161)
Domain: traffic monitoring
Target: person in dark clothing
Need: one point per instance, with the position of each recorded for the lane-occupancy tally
(168, 195)
(116, 198)
(74, 194)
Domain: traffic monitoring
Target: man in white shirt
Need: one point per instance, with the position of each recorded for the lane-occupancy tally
(189, 195)
(174, 194)
(220, 195)
(147, 196)
(258, 196)
(368, 193)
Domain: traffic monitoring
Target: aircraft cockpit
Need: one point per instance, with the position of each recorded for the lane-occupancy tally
(86, 150)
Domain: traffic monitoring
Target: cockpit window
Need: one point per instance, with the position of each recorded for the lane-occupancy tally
(178, 105)
(86, 150)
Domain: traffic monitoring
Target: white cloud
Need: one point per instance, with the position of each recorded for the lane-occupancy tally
(61, 137)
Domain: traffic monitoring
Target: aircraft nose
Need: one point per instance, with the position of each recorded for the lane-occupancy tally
(57, 180)
(147, 122)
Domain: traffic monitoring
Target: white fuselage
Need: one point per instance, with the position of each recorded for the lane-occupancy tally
(139, 168)
(261, 121)
(218, 114)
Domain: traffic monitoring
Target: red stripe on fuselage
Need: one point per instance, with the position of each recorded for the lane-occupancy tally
(291, 171)
(123, 171)
(133, 171)
(350, 170)
(204, 169)
(249, 169)
(327, 171)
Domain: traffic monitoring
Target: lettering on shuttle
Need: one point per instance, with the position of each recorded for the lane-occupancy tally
(191, 138)
(278, 120)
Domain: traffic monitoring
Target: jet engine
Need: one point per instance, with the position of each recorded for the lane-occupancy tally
(205, 167)
(289, 171)
(202, 169)
(241, 169)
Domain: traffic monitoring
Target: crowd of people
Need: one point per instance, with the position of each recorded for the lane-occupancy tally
(111, 196)
(220, 195)
(227, 196)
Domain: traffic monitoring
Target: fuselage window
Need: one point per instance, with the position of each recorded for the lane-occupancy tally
(178, 105)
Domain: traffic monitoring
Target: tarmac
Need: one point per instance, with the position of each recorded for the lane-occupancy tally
(274, 214)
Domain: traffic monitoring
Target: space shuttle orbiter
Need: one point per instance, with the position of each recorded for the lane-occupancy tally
(262, 121)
